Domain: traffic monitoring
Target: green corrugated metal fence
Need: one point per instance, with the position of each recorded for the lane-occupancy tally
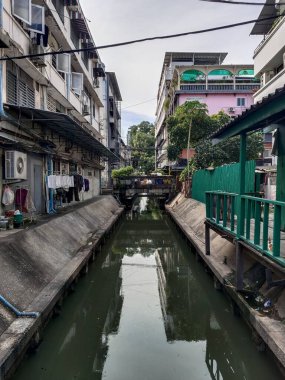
(223, 178)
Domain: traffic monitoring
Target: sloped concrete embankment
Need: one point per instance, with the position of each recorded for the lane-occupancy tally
(37, 266)
(189, 215)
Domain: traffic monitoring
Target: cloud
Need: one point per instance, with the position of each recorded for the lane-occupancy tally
(138, 67)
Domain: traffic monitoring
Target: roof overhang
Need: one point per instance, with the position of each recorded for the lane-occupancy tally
(65, 126)
(198, 58)
(263, 27)
(269, 111)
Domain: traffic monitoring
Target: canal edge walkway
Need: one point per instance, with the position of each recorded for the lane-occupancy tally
(24, 332)
(189, 215)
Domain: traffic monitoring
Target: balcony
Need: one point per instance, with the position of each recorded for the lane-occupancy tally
(219, 87)
(270, 87)
(270, 48)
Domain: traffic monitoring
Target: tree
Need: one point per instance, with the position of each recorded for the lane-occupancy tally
(203, 126)
(122, 172)
(142, 143)
(193, 116)
(227, 151)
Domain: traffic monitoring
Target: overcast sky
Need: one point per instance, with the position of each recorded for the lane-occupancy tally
(138, 67)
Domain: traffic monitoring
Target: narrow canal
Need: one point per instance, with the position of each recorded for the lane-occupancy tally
(147, 310)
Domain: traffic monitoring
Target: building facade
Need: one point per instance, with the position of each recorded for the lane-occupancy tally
(111, 123)
(203, 77)
(51, 105)
(269, 60)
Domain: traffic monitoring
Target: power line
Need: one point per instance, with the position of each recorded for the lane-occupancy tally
(141, 40)
(137, 104)
(242, 3)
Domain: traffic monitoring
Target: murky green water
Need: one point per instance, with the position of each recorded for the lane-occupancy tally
(147, 311)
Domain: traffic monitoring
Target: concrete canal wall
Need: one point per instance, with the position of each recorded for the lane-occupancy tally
(268, 325)
(40, 264)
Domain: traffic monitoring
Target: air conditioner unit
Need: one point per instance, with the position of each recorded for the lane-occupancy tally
(231, 110)
(15, 165)
(64, 168)
(86, 110)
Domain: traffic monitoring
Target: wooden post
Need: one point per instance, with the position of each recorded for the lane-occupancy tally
(239, 266)
(241, 203)
(207, 239)
(280, 183)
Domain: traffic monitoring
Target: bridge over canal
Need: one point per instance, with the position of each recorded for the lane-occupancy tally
(128, 188)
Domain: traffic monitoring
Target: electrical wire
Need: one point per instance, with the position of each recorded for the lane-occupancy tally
(138, 104)
(223, 27)
(242, 3)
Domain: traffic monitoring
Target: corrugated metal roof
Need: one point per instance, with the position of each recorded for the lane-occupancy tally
(263, 27)
(65, 126)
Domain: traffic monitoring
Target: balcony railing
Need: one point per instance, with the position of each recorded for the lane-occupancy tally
(221, 209)
(216, 87)
(257, 221)
(274, 28)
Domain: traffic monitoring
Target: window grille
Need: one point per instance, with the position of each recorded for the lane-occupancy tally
(51, 104)
(18, 93)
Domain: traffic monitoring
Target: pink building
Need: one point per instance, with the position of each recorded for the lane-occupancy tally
(232, 104)
(203, 77)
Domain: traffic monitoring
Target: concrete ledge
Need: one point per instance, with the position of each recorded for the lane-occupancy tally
(188, 214)
(16, 339)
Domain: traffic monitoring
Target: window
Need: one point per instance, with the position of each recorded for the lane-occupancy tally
(23, 10)
(85, 56)
(59, 6)
(63, 62)
(94, 110)
(267, 137)
(77, 83)
(38, 19)
(18, 92)
(241, 102)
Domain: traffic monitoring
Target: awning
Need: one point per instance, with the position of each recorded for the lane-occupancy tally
(78, 21)
(263, 27)
(269, 111)
(65, 126)
(10, 142)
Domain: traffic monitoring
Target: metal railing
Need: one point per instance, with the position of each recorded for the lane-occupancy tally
(221, 209)
(216, 87)
(257, 221)
(260, 221)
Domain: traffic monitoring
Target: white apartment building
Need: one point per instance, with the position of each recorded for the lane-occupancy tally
(51, 105)
(111, 123)
(269, 56)
(269, 61)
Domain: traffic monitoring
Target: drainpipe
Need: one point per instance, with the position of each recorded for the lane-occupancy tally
(16, 311)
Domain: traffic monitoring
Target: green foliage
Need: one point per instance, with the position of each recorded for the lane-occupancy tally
(191, 116)
(189, 169)
(195, 114)
(122, 172)
(142, 142)
(227, 151)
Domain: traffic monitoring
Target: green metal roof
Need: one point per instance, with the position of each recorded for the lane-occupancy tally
(221, 72)
(271, 110)
(192, 75)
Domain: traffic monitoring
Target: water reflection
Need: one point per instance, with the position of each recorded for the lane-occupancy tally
(147, 310)
(193, 312)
